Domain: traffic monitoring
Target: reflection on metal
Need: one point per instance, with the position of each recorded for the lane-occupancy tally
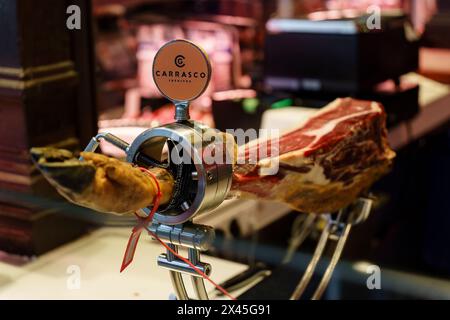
(199, 288)
(178, 285)
(337, 230)
(309, 272)
(302, 228)
(334, 260)
(95, 141)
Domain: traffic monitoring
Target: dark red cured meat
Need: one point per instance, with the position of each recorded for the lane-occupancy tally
(343, 146)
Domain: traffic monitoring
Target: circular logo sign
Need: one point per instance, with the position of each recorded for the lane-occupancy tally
(181, 70)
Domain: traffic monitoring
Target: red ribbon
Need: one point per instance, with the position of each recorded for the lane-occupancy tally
(221, 289)
(142, 224)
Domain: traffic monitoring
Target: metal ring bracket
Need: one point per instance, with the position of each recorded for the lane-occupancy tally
(213, 182)
(210, 182)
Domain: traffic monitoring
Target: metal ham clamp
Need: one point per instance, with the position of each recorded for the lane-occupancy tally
(336, 228)
(181, 71)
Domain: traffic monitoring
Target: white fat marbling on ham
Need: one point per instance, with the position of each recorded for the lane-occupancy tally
(329, 126)
(325, 163)
(315, 176)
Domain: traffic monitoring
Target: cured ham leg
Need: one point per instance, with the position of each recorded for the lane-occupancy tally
(326, 163)
(323, 166)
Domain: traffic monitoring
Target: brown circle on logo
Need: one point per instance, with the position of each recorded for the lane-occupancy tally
(181, 70)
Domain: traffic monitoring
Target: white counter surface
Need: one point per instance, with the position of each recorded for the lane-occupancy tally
(96, 258)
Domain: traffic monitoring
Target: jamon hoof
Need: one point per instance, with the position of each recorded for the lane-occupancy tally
(99, 182)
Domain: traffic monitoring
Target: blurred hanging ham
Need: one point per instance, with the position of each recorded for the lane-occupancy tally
(323, 166)
(326, 163)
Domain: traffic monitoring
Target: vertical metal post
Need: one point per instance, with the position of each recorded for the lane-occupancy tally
(197, 282)
(176, 277)
(181, 110)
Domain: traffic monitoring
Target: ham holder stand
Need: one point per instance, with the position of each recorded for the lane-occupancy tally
(201, 187)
